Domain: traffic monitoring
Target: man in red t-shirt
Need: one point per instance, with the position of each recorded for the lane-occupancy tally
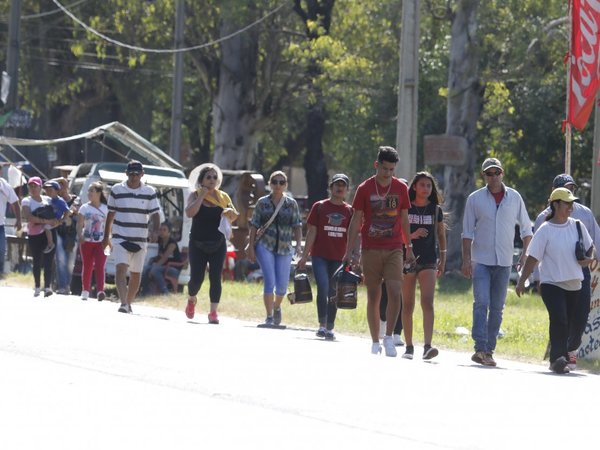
(326, 239)
(381, 215)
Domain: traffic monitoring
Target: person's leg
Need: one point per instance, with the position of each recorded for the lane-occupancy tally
(157, 273)
(266, 260)
(373, 299)
(427, 279)
(215, 272)
(332, 266)
(283, 264)
(49, 237)
(581, 313)
(481, 304)
(409, 286)
(555, 300)
(383, 303)
(198, 261)
(87, 263)
(320, 268)
(2, 249)
(394, 289)
(372, 267)
(36, 243)
(498, 287)
(133, 286)
(62, 266)
(99, 266)
(48, 263)
(121, 281)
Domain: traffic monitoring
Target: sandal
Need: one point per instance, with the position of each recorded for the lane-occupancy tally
(190, 309)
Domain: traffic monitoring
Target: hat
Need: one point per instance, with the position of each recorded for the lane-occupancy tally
(135, 167)
(491, 162)
(563, 194)
(35, 180)
(562, 180)
(340, 177)
(52, 184)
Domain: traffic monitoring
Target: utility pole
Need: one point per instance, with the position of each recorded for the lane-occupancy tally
(12, 57)
(177, 96)
(408, 90)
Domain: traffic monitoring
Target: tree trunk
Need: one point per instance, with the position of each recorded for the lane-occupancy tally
(234, 108)
(464, 106)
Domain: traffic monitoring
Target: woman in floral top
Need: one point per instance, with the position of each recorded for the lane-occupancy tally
(273, 248)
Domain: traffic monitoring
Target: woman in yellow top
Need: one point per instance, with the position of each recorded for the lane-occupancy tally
(212, 212)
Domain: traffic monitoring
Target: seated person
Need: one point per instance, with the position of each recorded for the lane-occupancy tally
(168, 252)
(56, 210)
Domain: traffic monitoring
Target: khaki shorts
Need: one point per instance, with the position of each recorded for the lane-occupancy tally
(379, 265)
(135, 261)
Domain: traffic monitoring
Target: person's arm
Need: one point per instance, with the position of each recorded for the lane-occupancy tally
(16, 208)
(162, 259)
(311, 235)
(466, 258)
(298, 238)
(526, 241)
(353, 230)
(79, 227)
(155, 218)
(530, 263)
(195, 201)
(110, 217)
(410, 256)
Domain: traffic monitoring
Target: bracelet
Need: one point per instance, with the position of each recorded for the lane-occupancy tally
(410, 245)
(443, 251)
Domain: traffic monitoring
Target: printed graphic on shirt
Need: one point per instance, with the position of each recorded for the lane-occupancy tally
(334, 228)
(418, 219)
(385, 213)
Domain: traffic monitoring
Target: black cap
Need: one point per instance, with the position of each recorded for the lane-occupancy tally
(135, 167)
(562, 180)
(340, 177)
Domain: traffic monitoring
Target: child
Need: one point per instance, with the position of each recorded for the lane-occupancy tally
(59, 208)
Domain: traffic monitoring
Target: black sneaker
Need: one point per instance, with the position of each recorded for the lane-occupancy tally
(560, 365)
(429, 352)
(101, 296)
(329, 336)
(124, 308)
(277, 316)
(48, 292)
(321, 332)
(409, 352)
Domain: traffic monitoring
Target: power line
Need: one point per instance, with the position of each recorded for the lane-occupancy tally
(153, 50)
(44, 14)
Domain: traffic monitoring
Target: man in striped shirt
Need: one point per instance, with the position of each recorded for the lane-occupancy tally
(130, 205)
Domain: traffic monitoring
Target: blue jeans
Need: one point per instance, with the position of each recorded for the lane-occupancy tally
(64, 264)
(489, 291)
(323, 270)
(2, 248)
(275, 269)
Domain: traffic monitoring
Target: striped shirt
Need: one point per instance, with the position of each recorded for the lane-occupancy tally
(132, 208)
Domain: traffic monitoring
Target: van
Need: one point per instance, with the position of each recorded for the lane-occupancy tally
(172, 190)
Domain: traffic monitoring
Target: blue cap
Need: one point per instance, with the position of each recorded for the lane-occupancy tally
(562, 180)
(52, 184)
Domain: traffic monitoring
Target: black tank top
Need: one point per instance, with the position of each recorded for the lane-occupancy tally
(205, 224)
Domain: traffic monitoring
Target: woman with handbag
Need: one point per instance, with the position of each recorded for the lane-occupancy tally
(562, 247)
(428, 235)
(275, 224)
(90, 231)
(211, 211)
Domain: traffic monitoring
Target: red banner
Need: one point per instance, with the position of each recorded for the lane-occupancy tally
(585, 46)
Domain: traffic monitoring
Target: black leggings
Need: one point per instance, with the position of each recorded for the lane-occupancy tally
(562, 309)
(198, 260)
(581, 314)
(37, 243)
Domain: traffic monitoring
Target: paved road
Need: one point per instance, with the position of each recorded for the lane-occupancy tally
(79, 375)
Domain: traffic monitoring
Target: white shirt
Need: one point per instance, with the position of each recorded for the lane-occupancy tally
(7, 196)
(491, 228)
(94, 221)
(553, 245)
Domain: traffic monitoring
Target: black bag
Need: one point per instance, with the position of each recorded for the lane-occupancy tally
(131, 246)
(44, 212)
(209, 247)
(580, 252)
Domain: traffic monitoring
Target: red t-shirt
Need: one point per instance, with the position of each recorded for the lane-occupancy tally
(381, 227)
(332, 223)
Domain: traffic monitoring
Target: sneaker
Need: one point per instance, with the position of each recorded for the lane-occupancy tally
(101, 296)
(63, 292)
(429, 352)
(409, 352)
(489, 360)
(382, 325)
(388, 345)
(277, 316)
(329, 336)
(269, 321)
(85, 295)
(478, 357)
(36, 292)
(48, 292)
(124, 308)
(49, 248)
(321, 332)
(398, 342)
(561, 365)
(213, 318)
(190, 309)
(572, 360)
(376, 348)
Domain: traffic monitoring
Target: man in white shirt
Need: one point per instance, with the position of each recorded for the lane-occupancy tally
(130, 204)
(8, 196)
(586, 217)
(491, 214)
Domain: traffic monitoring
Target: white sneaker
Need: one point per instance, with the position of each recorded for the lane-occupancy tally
(388, 345)
(398, 342)
(36, 292)
(85, 295)
(382, 324)
(376, 348)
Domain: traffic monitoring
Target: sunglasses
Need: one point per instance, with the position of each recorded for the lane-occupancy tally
(211, 177)
(493, 174)
(279, 182)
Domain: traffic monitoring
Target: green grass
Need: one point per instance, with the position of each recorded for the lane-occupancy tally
(525, 321)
